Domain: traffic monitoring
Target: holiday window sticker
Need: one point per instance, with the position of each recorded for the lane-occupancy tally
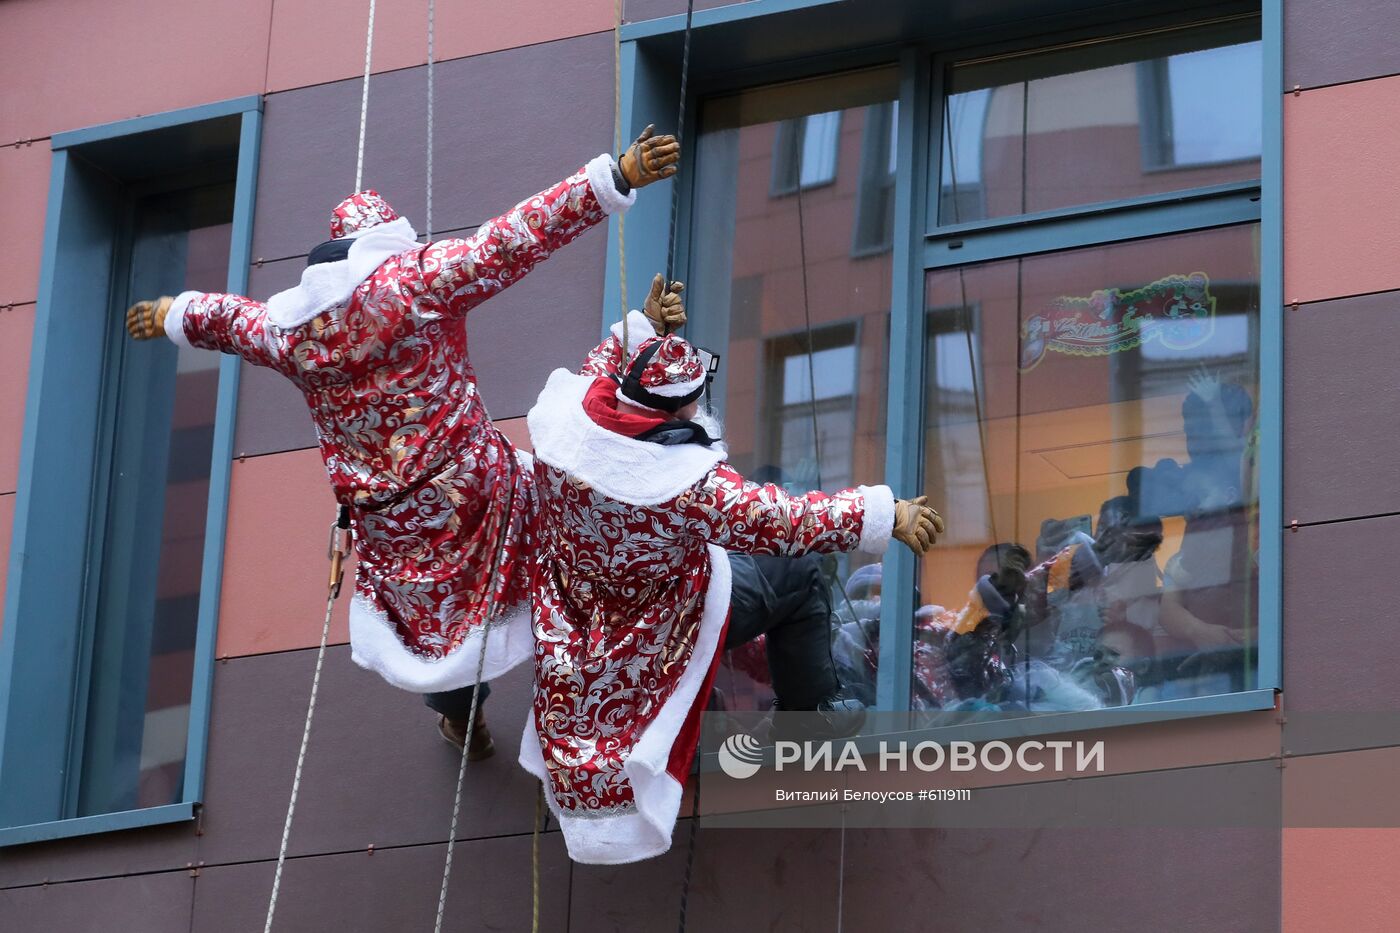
(1178, 311)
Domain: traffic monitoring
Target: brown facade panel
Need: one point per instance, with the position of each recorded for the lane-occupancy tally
(391, 890)
(1342, 450)
(506, 125)
(135, 851)
(743, 879)
(157, 903)
(1332, 41)
(377, 772)
(1339, 638)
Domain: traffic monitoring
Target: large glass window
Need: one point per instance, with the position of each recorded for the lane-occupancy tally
(1092, 383)
(1111, 452)
(1101, 122)
(149, 541)
(107, 648)
(791, 285)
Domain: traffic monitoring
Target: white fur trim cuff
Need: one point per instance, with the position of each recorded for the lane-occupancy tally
(175, 318)
(375, 646)
(600, 179)
(879, 519)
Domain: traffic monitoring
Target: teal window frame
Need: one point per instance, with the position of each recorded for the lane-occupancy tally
(650, 85)
(41, 674)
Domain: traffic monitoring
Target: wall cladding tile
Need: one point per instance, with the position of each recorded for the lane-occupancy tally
(1340, 879)
(149, 903)
(1325, 414)
(1332, 41)
(24, 190)
(1341, 191)
(16, 339)
(1339, 638)
(86, 73)
(781, 881)
(314, 41)
(499, 125)
(393, 889)
(377, 772)
(153, 849)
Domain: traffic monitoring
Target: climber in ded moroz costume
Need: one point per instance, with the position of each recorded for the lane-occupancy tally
(440, 502)
(631, 589)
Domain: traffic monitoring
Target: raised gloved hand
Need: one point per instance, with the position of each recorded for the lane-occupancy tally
(916, 525)
(663, 306)
(145, 320)
(650, 158)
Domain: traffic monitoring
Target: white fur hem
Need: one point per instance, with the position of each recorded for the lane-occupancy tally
(600, 179)
(327, 284)
(618, 467)
(644, 831)
(175, 318)
(875, 530)
(375, 646)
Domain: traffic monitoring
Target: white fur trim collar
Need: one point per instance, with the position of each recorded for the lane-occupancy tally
(645, 830)
(375, 645)
(327, 284)
(619, 467)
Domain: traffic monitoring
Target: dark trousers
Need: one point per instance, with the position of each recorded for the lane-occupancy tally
(785, 598)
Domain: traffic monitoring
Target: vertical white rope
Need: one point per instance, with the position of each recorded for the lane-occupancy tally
(617, 147)
(428, 220)
(301, 760)
(364, 99)
(461, 778)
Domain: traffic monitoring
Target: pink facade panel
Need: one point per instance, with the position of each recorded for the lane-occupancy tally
(274, 588)
(24, 188)
(314, 42)
(68, 64)
(1341, 191)
(1340, 879)
(16, 334)
(7, 524)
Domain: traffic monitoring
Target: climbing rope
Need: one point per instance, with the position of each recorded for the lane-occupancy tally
(617, 147)
(364, 99)
(428, 212)
(476, 704)
(680, 132)
(339, 550)
(807, 308)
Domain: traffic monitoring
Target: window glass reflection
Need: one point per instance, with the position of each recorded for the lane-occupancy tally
(1101, 123)
(1090, 434)
(790, 283)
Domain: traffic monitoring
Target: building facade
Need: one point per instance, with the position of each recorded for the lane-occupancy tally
(1083, 272)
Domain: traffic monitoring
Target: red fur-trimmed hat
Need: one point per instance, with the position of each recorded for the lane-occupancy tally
(359, 212)
(666, 373)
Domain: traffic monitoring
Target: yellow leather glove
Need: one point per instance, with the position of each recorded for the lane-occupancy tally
(916, 525)
(650, 158)
(145, 320)
(663, 306)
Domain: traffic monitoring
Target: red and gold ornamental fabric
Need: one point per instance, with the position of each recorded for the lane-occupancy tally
(441, 502)
(631, 596)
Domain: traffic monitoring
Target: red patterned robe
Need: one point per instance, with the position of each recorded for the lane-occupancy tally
(631, 596)
(441, 502)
